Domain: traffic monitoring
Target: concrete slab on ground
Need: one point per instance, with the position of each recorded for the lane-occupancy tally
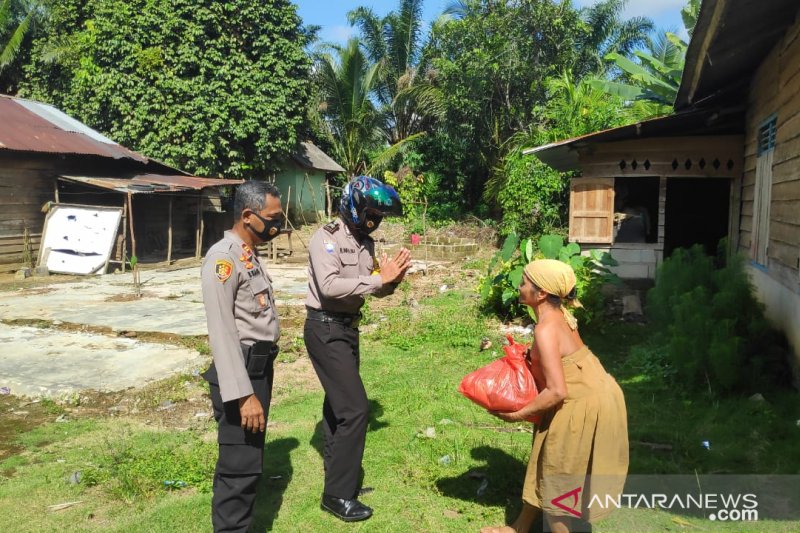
(171, 300)
(52, 363)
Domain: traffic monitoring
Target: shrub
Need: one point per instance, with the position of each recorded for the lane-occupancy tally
(500, 291)
(713, 326)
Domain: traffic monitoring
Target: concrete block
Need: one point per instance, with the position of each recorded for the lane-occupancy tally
(41, 271)
(626, 256)
(648, 256)
(632, 271)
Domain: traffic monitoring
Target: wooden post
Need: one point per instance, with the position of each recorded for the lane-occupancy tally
(55, 195)
(328, 196)
(169, 232)
(130, 223)
(124, 234)
(198, 232)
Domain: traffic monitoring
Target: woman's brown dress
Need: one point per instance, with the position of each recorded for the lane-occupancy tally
(580, 451)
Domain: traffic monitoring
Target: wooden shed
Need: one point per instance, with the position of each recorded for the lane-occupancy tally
(304, 183)
(47, 156)
(726, 164)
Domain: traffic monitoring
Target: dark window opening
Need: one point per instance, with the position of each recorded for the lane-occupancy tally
(696, 213)
(636, 209)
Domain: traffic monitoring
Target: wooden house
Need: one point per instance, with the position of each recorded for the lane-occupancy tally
(304, 183)
(725, 164)
(47, 156)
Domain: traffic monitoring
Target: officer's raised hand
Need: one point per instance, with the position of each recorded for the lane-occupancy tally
(252, 414)
(393, 270)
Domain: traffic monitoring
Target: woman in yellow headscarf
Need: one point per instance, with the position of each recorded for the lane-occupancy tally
(580, 450)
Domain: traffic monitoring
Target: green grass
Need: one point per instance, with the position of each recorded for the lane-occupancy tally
(412, 364)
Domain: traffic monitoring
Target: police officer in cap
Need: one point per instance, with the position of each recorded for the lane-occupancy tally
(342, 270)
(242, 330)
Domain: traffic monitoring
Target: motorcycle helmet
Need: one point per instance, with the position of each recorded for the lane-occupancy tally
(366, 200)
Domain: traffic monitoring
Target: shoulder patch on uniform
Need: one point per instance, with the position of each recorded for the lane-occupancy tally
(330, 246)
(223, 269)
(331, 227)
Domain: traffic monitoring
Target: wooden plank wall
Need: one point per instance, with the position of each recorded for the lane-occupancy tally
(26, 183)
(776, 89)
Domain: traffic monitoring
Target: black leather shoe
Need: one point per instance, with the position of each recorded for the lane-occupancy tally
(347, 510)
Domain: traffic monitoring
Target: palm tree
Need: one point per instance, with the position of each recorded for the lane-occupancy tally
(395, 42)
(17, 17)
(656, 77)
(608, 32)
(346, 82)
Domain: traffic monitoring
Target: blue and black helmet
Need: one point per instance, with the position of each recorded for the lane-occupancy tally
(366, 198)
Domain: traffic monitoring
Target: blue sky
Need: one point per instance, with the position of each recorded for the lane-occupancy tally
(331, 15)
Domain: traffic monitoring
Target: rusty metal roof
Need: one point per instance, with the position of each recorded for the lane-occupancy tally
(36, 127)
(152, 183)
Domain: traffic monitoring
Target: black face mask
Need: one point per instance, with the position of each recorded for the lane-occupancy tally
(271, 228)
(371, 223)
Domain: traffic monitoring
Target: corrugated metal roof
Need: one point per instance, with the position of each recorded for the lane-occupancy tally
(310, 156)
(152, 183)
(35, 127)
(730, 40)
(563, 155)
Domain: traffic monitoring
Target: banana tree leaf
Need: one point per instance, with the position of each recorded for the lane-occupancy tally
(628, 66)
(623, 90)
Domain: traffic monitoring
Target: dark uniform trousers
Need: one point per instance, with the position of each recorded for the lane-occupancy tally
(241, 455)
(333, 349)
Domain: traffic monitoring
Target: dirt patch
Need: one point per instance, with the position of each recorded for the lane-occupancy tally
(132, 297)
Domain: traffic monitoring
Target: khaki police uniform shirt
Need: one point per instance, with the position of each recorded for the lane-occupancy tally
(240, 309)
(340, 270)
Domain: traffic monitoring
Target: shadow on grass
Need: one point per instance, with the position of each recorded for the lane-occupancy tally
(498, 483)
(277, 462)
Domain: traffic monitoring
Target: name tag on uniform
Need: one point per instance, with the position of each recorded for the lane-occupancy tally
(346, 251)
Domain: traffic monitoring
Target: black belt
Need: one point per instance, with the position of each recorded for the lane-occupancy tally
(350, 320)
(258, 357)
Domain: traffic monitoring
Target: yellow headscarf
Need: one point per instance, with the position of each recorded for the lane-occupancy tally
(558, 279)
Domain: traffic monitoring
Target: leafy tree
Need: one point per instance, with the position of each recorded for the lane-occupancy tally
(349, 116)
(19, 19)
(395, 42)
(656, 76)
(491, 63)
(217, 88)
(532, 196)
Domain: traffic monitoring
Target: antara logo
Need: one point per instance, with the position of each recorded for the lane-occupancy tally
(574, 496)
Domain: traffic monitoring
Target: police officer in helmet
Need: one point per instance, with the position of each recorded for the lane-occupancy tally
(342, 270)
(243, 331)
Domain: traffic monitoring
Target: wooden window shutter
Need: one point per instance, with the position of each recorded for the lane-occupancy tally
(591, 210)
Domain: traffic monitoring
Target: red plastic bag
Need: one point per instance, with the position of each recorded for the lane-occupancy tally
(505, 385)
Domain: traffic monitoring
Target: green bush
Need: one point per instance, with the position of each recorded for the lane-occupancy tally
(499, 289)
(713, 326)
